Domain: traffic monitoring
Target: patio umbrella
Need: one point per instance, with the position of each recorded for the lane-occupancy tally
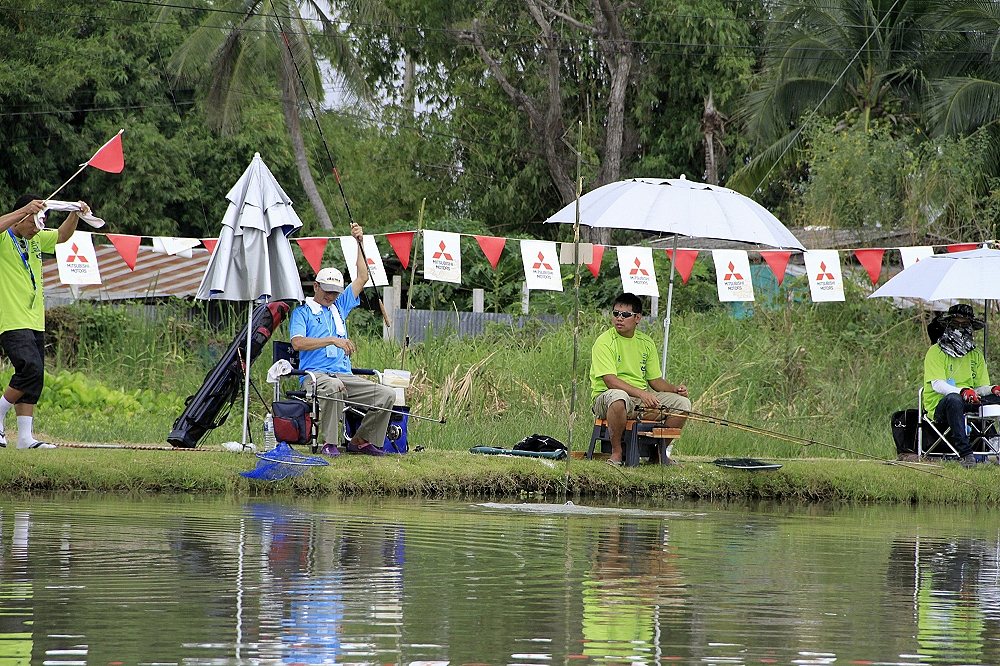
(678, 207)
(253, 259)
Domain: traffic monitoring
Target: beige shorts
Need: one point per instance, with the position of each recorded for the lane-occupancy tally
(668, 400)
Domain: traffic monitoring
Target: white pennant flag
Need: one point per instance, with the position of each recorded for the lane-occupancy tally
(911, 255)
(541, 265)
(636, 267)
(732, 275)
(77, 260)
(442, 257)
(376, 271)
(826, 282)
(176, 246)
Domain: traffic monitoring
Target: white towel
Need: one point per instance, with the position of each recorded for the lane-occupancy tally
(67, 207)
(278, 370)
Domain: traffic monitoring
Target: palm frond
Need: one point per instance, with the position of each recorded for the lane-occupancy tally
(956, 106)
(768, 164)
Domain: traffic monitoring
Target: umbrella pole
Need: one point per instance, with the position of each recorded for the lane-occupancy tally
(666, 315)
(246, 378)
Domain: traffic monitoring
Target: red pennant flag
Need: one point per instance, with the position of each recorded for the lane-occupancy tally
(312, 250)
(492, 247)
(127, 246)
(685, 262)
(778, 261)
(210, 243)
(872, 261)
(109, 157)
(595, 264)
(962, 247)
(402, 243)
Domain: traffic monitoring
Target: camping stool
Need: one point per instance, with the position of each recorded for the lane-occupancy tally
(634, 429)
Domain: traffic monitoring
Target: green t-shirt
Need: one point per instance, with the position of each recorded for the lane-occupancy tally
(633, 360)
(966, 371)
(21, 302)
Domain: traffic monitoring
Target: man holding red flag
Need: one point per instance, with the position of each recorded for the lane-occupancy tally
(22, 309)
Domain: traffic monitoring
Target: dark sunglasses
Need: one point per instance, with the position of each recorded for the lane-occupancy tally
(619, 314)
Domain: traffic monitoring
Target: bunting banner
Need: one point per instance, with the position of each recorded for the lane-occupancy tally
(110, 157)
(180, 246)
(210, 244)
(442, 256)
(826, 282)
(777, 260)
(732, 275)
(127, 246)
(912, 255)
(77, 260)
(312, 250)
(871, 260)
(376, 270)
(541, 265)
(402, 243)
(962, 247)
(595, 266)
(636, 267)
(492, 247)
(684, 264)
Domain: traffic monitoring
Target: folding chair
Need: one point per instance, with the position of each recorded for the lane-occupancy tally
(981, 427)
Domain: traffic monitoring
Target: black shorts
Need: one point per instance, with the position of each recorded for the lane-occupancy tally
(26, 350)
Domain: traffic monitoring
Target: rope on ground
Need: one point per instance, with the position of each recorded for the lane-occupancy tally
(135, 447)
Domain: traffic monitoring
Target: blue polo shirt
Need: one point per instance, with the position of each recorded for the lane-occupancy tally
(312, 320)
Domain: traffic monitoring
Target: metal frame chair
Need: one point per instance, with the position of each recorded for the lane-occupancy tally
(982, 427)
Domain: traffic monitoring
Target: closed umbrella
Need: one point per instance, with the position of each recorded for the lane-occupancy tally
(678, 207)
(253, 259)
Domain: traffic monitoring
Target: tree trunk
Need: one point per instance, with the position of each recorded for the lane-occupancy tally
(409, 83)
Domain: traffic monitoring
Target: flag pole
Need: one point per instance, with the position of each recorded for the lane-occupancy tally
(409, 290)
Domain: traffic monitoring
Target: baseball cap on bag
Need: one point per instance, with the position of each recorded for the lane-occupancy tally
(330, 279)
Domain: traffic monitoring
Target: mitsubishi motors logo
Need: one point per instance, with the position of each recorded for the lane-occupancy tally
(732, 274)
(76, 256)
(541, 263)
(442, 253)
(824, 274)
(638, 270)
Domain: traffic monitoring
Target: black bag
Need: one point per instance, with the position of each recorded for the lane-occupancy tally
(292, 421)
(904, 430)
(539, 443)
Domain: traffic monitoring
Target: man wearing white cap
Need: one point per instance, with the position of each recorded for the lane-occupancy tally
(319, 334)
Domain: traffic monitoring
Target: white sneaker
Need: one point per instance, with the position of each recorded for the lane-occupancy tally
(3, 437)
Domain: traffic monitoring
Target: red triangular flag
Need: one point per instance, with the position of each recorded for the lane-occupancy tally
(492, 247)
(109, 157)
(595, 264)
(962, 247)
(312, 250)
(402, 243)
(127, 246)
(685, 262)
(778, 261)
(210, 243)
(872, 261)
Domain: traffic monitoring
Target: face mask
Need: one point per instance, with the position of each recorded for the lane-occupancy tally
(956, 342)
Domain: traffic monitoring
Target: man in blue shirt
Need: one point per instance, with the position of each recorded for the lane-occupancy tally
(319, 333)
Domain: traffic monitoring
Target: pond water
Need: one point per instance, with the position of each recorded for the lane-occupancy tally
(105, 580)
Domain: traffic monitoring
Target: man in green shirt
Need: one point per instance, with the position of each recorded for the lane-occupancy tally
(956, 380)
(22, 310)
(624, 376)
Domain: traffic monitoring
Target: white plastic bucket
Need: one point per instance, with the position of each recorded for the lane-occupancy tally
(396, 378)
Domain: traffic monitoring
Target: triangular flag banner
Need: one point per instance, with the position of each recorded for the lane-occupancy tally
(492, 247)
(376, 270)
(684, 264)
(541, 265)
(170, 245)
(872, 261)
(911, 255)
(732, 275)
(826, 281)
(442, 256)
(127, 246)
(312, 250)
(778, 261)
(210, 243)
(110, 156)
(402, 243)
(962, 247)
(636, 267)
(595, 265)
(77, 260)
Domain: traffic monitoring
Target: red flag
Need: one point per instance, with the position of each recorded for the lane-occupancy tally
(492, 247)
(127, 246)
(595, 264)
(872, 261)
(685, 262)
(210, 243)
(778, 261)
(402, 243)
(312, 250)
(109, 157)
(962, 247)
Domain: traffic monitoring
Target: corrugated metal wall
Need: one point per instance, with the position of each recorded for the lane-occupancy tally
(438, 323)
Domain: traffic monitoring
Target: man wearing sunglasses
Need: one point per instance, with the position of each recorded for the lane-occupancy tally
(625, 376)
(23, 239)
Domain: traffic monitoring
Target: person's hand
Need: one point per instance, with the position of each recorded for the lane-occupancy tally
(32, 207)
(995, 390)
(84, 208)
(345, 344)
(681, 390)
(649, 400)
(969, 396)
(357, 232)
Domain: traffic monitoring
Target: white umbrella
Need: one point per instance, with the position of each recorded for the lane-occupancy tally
(679, 207)
(253, 259)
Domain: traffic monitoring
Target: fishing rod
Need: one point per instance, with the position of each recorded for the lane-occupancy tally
(329, 157)
(802, 441)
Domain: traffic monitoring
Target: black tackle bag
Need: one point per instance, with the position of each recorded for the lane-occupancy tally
(539, 443)
(905, 424)
(292, 421)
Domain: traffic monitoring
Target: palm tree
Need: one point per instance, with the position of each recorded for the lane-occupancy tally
(245, 47)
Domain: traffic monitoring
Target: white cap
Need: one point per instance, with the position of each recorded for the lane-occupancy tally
(330, 279)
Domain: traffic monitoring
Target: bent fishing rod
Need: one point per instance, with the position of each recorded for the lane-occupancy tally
(329, 157)
(802, 441)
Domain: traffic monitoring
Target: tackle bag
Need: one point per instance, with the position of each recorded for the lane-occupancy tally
(209, 407)
(905, 424)
(539, 443)
(292, 421)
